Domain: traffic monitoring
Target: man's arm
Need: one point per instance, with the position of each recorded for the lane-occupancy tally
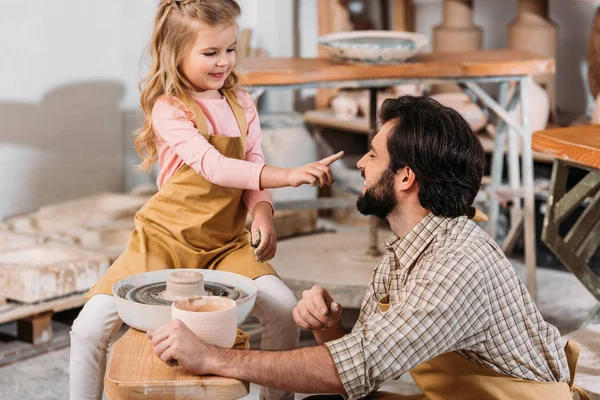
(306, 370)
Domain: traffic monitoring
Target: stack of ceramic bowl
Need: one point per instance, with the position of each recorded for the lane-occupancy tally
(144, 301)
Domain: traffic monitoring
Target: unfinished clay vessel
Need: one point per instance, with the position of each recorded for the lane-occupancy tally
(182, 284)
(213, 319)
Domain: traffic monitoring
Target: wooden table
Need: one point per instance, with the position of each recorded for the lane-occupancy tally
(134, 372)
(574, 147)
(469, 70)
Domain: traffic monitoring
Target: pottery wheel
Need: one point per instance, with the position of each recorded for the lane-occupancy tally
(151, 294)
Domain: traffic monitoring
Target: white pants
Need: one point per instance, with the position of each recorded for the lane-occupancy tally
(96, 324)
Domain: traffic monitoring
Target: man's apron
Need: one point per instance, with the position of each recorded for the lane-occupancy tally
(451, 376)
(190, 222)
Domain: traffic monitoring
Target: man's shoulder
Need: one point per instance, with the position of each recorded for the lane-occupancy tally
(460, 241)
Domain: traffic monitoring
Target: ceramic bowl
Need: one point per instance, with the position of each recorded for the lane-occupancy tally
(376, 47)
(213, 319)
(148, 317)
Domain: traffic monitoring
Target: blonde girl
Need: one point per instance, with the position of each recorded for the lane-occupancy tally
(204, 132)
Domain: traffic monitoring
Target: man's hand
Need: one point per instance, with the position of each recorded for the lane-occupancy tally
(176, 342)
(317, 310)
(263, 233)
(313, 174)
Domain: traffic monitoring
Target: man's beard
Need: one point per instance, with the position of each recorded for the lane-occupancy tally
(379, 200)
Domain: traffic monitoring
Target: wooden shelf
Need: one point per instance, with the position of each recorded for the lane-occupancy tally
(326, 119)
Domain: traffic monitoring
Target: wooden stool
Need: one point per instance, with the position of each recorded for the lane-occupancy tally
(577, 147)
(134, 372)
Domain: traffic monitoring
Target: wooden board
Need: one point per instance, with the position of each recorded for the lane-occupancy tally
(482, 63)
(12, 311)
(577, 144)
(135, 372)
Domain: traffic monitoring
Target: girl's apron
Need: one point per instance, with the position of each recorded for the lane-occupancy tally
(451, 376)
(190, 222)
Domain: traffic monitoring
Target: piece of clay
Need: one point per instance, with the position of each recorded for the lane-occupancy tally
(183, 284)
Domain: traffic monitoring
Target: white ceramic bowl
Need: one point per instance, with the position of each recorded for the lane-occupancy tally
(213, 319)
(375, 47)
(147, 317)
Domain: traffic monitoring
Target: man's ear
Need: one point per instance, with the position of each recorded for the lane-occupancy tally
(405, 178)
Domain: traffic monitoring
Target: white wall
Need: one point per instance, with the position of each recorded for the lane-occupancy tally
(70, 68)
(60, 88)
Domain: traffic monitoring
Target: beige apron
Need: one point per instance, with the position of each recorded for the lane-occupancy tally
(451, 376)
(190, 222)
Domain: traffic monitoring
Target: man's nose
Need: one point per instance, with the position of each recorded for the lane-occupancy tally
(360, 164)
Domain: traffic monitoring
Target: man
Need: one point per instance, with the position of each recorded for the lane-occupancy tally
(444, 302)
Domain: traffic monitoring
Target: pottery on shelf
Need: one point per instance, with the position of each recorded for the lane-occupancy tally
(344, 106)
(595, 119)
(375, 47)
(462, 103)
(457, 32)
(539, 106)
(533, 31)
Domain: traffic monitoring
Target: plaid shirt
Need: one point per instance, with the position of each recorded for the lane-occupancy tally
(451, 288)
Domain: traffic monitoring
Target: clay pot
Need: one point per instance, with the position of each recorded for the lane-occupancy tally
(465, 107)
(596, 113)
(539, 106)
(344, 106)
(213, 319)
(533, 31)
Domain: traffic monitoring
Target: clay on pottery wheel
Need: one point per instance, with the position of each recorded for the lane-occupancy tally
(183, 284)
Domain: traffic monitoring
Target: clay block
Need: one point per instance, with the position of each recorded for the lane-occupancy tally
(13, 241)
(291, 223)
(36, 329)
(49, 270)
(94, 211)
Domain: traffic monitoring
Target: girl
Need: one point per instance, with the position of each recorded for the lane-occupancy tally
(206, 136)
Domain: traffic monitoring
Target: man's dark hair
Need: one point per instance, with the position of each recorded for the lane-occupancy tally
(439, 146)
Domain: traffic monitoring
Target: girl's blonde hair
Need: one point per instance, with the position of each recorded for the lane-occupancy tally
(174, 33)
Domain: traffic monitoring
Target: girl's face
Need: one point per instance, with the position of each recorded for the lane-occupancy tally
(211, 58)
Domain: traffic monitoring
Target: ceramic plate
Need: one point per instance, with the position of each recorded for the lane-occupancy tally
(376, 47)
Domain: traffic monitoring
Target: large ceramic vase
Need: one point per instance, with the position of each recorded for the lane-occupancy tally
(455, 33)
(533, 31)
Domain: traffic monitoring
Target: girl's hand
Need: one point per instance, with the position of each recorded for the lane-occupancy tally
(313, 174)
(263, 233)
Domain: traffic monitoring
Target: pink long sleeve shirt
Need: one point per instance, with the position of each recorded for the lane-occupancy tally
(178, 143)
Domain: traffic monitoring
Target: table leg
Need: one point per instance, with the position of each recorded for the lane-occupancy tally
(583, 239)
(373, 249)
(497, 166)
(529, 199)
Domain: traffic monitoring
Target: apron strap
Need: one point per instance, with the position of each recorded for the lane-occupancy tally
(572, 350)
(239, 114)
(198, 117)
